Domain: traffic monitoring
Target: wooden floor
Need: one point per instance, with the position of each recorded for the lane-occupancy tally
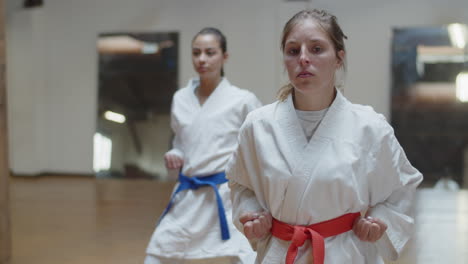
(80, 220)
(83, 220)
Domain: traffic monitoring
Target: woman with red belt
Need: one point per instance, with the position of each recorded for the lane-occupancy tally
(309, 164)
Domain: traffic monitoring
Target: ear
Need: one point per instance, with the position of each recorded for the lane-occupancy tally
(340, 56)
(225, 56)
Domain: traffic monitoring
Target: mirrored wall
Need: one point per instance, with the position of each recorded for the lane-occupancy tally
(430, 100)
(136, 81)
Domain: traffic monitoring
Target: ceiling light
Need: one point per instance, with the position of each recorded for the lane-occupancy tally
(115, 117)
(457, 34)
(462, 86)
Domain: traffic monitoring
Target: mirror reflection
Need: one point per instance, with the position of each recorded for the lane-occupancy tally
(430, 102)
(136, 81)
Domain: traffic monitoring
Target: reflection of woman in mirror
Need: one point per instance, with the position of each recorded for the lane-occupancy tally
(309, 164)
(196, 227)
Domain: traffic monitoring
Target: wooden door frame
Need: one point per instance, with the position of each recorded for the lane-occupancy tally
(5, 233)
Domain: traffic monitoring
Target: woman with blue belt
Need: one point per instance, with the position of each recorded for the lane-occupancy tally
(206, 115)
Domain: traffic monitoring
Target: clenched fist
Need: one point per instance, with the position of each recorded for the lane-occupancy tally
(369, 228)
(256, 225)
(173, 161)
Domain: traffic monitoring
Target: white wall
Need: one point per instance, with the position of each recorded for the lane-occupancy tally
(26, 92)
(52, 61)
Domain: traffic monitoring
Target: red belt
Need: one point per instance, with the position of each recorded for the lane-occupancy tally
(316, 233)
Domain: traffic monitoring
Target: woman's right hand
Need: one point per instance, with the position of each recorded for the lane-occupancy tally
(256, 225)
(173, 161)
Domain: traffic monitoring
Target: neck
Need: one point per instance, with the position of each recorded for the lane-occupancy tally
(314, 100)
(207, 85)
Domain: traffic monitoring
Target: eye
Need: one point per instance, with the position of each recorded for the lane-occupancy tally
(195, 52)
(292, 51)
(210, 53)
(317, 49)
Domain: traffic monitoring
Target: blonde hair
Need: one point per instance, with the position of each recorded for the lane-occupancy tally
(330, 25)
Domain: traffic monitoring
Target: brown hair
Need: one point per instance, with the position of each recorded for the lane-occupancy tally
(329, 24)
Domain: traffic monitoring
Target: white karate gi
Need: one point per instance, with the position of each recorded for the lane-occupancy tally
(205, 137)
(352, 162)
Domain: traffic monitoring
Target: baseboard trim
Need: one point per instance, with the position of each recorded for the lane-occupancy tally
(52, 174)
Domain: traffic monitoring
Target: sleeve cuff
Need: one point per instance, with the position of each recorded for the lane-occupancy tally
(399, 231)
(176, 152)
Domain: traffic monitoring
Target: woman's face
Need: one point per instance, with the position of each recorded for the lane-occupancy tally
(310, 58)
(207, 57)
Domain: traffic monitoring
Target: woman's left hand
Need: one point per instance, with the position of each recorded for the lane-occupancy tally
(256, 224)
(369, 228)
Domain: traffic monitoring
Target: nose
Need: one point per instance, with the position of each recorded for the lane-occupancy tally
(202, 58)
(304, 58)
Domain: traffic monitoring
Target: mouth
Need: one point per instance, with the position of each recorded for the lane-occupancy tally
(304, 74)
(202, 69)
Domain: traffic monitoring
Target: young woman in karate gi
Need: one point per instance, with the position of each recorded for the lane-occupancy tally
(206, 118)
(309, 164)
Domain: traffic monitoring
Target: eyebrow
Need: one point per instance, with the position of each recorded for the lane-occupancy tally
(209, 48)
(311, 40)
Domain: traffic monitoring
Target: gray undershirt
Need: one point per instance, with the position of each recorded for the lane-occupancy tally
(310, 120)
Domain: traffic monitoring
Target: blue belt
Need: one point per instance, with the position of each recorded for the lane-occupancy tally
(197, 182)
